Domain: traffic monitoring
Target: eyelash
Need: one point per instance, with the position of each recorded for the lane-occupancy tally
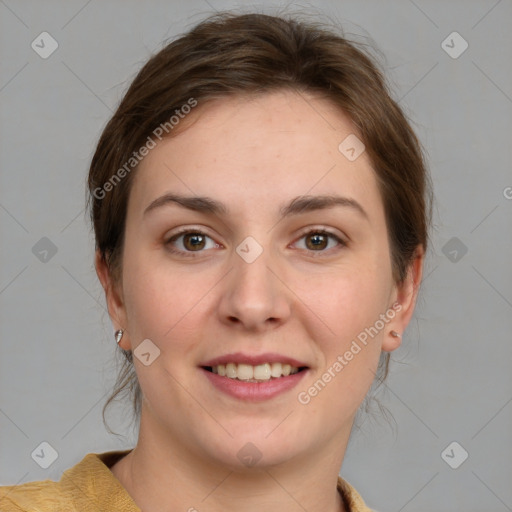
(193, 254)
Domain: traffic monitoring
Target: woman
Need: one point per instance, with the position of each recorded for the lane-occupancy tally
(261, 210)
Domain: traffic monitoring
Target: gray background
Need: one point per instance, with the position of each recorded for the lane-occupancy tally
(451, 380)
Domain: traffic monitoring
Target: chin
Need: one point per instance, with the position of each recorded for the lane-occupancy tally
(256, 449)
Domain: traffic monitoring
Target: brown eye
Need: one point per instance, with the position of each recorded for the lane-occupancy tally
(193, 241)
(188, 242)
(317, 240)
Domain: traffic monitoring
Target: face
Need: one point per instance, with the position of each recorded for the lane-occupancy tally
(251, 278)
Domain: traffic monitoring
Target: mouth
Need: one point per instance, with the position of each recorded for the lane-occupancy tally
(253, 378)
(259, 373)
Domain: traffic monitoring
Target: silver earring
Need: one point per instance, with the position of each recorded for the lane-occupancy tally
(118, 335)
(395, 334)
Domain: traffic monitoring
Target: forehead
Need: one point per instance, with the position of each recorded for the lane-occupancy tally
(257, 149)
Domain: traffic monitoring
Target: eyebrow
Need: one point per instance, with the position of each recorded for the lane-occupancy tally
(298, 205)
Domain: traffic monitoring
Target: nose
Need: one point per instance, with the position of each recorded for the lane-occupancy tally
(254, 297)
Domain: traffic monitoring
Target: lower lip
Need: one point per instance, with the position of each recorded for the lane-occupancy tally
(254, 391)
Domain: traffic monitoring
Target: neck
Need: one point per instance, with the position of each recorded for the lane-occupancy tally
(163, 475)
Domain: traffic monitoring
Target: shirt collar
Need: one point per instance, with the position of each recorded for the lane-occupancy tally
(94, 486)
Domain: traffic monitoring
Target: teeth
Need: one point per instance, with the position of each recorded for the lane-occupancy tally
(231, 371)
(276, 369)
(245, 372)
(261, 372)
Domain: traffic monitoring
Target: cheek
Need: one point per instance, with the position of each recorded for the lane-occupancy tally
(348, 359)
(164, 303)
(346, 300)
(350, 305)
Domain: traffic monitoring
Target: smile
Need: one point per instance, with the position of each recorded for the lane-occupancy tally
(251, 389)
(249, 373)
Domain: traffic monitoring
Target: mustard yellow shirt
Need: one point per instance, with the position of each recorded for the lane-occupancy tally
(90, 486)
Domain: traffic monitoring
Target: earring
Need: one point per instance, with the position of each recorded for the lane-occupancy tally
(118, 335)
(395, 334)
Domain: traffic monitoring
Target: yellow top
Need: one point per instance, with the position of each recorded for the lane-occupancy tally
(90, 486)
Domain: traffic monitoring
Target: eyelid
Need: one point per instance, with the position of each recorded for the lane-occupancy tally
(326, 230)
(188, 229)
(341, 239)
(185, 231)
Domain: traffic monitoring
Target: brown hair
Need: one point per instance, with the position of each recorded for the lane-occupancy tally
(232, 54)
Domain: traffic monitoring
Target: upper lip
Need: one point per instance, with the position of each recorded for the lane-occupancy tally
(254, 359)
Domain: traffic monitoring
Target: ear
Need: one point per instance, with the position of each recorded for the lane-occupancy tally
(113, 297)
(406, 295)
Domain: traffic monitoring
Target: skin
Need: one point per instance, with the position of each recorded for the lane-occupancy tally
(254, 155)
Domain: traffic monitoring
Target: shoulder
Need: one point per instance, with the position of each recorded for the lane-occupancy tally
(43, 494)
(351, 498)
(89, 480)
